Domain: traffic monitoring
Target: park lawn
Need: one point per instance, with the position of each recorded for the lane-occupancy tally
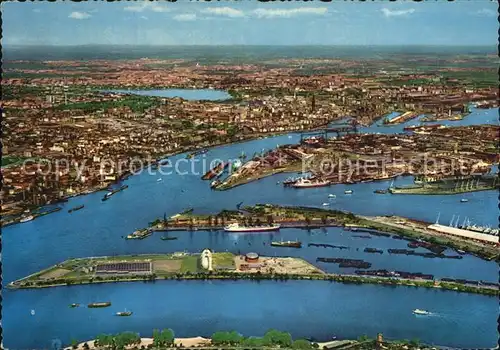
(189, 264)
(223, 260)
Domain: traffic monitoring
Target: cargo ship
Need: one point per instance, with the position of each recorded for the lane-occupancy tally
(109, 194)
(96, 305)
(215, 171)
(76, 208)
(306, 183)
(288, 244)
(240, 228)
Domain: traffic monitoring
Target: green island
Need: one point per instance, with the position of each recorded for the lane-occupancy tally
(182, 266)
(272, 339)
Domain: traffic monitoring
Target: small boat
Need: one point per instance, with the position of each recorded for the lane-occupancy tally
(168, 238)
(27, 218)
(124, 313)
(326, 204)
(74, 305)
(348, 191)
(464, 200)
(420, 312)
(380, 191)
(332, 196)
(76, 208)
(160, 179)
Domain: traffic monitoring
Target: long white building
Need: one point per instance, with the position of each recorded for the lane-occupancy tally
(483, 237)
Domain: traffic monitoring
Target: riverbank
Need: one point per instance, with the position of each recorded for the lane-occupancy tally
(194, 342)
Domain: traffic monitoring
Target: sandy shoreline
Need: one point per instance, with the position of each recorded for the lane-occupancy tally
(186, 342)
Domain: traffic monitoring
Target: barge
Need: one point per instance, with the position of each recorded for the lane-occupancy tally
(288, 244)
(98, 305)
(327, 245)
(373, 250)
(124, 313)
(76, 208)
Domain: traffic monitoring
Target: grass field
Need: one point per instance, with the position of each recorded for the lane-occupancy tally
(189, 264)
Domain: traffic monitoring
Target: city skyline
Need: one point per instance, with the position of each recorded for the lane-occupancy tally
(251, 23)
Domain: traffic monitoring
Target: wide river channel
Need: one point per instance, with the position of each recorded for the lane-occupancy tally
(33, 319)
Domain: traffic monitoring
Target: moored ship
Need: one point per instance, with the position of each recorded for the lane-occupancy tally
(289, 244)
(27, 218)
(140, 234)
(307, 183)
(215, 171)
(109, 194)
(261, 228)
(101, 304)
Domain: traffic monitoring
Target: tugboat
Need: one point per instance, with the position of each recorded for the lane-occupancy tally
(76, 208)
(289, 244)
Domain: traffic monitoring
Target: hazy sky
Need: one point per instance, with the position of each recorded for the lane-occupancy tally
(252, 23)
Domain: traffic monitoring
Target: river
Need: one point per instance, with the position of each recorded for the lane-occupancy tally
(98, 229)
